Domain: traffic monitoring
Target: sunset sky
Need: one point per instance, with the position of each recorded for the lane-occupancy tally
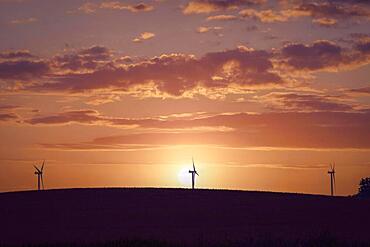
(263, 94)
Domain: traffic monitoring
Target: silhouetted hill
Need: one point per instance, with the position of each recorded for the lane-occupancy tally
(178, 216)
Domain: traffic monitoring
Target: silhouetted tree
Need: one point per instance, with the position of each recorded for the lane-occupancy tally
(364, 189)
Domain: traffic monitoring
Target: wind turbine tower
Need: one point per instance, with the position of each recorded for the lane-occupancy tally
(332, 178)
(39, 173)
(193, 172)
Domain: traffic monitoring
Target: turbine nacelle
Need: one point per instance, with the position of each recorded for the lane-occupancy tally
(194, 171)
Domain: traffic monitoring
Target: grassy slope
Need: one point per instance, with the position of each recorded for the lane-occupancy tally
(178, 215)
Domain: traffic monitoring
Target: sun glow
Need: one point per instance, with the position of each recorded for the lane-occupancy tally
(183, 176)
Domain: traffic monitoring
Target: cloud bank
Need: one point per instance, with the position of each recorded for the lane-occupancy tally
(237, 130)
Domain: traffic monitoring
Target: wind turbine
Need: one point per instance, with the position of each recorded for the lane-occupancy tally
(39, 173)
(193, 172)
(332, 178)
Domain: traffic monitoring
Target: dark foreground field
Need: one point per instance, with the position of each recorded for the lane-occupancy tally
(167, 217)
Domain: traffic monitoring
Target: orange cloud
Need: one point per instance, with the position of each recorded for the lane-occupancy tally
(90, 8)
(144, 36)
(141, 7)
(326, 22)
(207, 29)
(269, 15)
(221, 18)
(24, 21)
(209, 6)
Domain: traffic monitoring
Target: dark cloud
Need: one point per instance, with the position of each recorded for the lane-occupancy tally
(141, 7)
(8, 116)
(223, 122)
(241, 66)
(324, 13)
(99, 53)
(321, 54)
(359, 36)
(84, 59)
(23, 69)
(79, 116)
(364, 46)
(304, 102)
(176, 74)
(93, 117)
(16, 55)
(8, 107)
(363, 90)
(363, 2)
(252, 28)
(333, 9)
(8, 112)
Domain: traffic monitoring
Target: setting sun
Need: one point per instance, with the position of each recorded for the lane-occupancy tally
(184, 177)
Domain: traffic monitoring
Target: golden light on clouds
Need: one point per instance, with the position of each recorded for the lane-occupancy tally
(24, 21)
(144, 36)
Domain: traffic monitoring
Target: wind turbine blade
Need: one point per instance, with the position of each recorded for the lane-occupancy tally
(193, 164)
(42, 182)
(196, 173)
(37, 168)
(42, 167)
